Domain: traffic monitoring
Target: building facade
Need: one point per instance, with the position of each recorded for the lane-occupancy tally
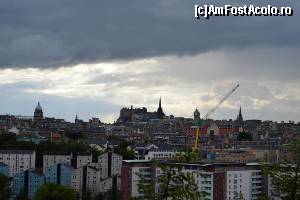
(50, 160)
(17, 160)
(59, 174)
(3, 169)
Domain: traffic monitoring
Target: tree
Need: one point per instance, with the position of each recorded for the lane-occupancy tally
(243, 136)
(55, 192)
(122, 149)
(172, 183)
(4, 187)
(112, 194)
(286, 175)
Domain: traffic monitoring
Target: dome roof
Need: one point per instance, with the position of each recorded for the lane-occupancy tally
(38, 107)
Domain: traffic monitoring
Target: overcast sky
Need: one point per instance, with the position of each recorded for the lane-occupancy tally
(93, 57)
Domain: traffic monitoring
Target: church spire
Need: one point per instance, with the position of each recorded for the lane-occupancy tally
(159, 102)
(160, 112)
(240, 116)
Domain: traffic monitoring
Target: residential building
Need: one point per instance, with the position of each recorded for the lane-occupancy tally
(3, 169)
(59, 174)
(29, 181)
(86, 180)
(219, 181)
(17, 160)
(132, 172)
(236, 155)
(50, 160)
(82, 160)
(35, 180)
(248, 183)
(162, 154)
(110, 164)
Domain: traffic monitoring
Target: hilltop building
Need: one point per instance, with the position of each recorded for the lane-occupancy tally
(38, 113)
(131, 114)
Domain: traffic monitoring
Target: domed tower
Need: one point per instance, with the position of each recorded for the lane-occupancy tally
(38, 113)
(197, 119)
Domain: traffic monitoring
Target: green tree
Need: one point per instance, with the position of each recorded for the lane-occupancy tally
(112, 194)
(172, 183)
(243, 136)
(55, 192)
(4, 187)
(286, 175)
(122, 149)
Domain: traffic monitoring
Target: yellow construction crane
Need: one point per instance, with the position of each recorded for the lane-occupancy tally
(196, 148)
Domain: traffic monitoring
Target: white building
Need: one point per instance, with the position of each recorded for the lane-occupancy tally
(161, 154)
(110, 164)
(137, 174)
(272, 191)
(205, 182)
(82, 160)
(247, 183)
(49, 160)
(86, 179)
(18, 160)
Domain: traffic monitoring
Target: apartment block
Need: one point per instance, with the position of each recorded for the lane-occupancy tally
(3, 169)
(86, 179)
(59, 174)
(29, 181)
(132, 172)
(110, 164)
(50, 160)
(83, 160)
(18, 160)
(220, 181)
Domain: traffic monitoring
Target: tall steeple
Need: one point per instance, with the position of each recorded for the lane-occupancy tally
(240, 116)
(159, 106)
(160, 112)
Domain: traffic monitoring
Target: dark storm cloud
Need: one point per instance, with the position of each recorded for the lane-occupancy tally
(37, 33)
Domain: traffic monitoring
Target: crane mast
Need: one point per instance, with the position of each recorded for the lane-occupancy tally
(196, 147)
(221, 101)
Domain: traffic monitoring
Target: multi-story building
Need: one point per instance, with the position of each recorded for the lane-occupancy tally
(29, 181)
(243, 182)
(35, 180)
(162, 154)
(272, 192)
(59, 174)
(219, 181)
(50, 160)
(86, 180)
(17, 160)
(133, 171)
(239, 156)
(110, 164)
(3, 169)
(82, 160)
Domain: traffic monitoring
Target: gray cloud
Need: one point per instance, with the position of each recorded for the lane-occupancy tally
(54, 33)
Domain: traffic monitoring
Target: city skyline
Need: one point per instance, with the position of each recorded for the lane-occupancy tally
(95, 63)
(77, 116)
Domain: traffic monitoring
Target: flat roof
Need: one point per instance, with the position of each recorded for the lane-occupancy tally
(137, 161)
(17, 151)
